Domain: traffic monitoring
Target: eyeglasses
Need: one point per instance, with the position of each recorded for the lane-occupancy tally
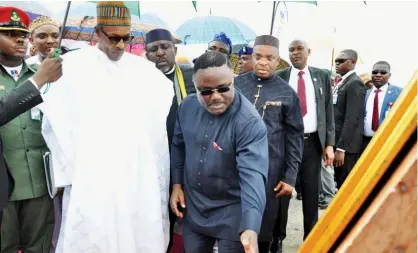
(340, 61)
(116, 39)
(375, 72)
(209, 92)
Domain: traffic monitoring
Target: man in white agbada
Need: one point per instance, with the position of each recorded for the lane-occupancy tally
(107, 134)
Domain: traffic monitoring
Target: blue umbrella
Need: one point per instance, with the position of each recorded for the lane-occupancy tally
(200, 30)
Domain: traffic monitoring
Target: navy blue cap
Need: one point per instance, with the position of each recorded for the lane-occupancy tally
(158, 34)
(222, 37)
(245, 50)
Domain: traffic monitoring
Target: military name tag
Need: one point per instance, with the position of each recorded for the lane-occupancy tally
(35, 113)
(2, 87)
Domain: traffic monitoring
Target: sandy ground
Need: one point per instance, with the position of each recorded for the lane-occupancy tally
(294, 235)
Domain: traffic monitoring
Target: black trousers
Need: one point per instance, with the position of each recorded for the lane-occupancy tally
(310, 173)
(198, 243)
(264, 247)
(366, 141)
(297, 185)
(1, 217)
(341, 173)
(172, 217)
(28, 224)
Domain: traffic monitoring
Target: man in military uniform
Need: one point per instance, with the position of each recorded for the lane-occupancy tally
(28, 218)
(161, 50)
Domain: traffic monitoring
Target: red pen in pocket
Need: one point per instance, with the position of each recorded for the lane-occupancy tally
(216, 146)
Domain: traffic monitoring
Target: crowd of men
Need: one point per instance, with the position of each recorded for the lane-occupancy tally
(138, 143)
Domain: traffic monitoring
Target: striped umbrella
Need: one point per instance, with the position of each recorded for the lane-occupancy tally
(83, 29)
(32, 8)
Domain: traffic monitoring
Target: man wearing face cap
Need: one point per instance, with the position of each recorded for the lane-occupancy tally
(109, 143)
(220, 43)
(278, 104)
(161, 50)
(245, 63)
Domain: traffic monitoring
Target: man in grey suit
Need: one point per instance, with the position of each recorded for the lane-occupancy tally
(313, 86)
(348, 99)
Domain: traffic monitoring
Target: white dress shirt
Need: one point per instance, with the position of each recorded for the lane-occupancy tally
(310, 120)
(14, 72)
(369, 108)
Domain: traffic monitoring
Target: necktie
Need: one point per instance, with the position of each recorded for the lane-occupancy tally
(375, 118)
(337, 81)
(302, 93)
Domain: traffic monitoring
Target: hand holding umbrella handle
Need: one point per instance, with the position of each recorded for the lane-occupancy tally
(57, 52)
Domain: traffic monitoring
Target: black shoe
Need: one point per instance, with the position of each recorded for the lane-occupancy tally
(276, 246)
(323, 206)
(299, 196)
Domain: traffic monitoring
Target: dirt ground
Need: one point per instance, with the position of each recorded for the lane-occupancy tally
(294, 234)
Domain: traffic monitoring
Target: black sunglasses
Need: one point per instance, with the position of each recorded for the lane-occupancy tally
(340, 61)
(375, 72)
(223, 89)
(116, 39)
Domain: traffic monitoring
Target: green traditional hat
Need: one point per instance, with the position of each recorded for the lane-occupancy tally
(113, 13)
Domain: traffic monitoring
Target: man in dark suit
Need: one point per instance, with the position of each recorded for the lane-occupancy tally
(314, 90)
(161, 50)
(348, 99)
(379, 100)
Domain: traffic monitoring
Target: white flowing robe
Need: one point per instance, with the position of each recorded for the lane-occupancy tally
(106, 129)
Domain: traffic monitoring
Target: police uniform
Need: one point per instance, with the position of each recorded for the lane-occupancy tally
(28, 220)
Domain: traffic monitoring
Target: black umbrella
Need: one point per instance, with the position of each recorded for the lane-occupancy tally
(57, 52)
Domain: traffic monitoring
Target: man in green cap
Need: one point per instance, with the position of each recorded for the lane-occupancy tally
(28, 219)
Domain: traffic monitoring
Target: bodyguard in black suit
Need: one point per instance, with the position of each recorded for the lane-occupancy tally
(348, 100)
(162, 51)
(278, 105)
(313, 86)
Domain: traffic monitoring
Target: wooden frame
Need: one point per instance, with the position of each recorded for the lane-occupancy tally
(398, 126)
(390, 223)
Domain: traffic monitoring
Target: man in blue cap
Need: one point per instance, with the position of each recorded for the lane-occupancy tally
(245, 63)
(221, 43)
